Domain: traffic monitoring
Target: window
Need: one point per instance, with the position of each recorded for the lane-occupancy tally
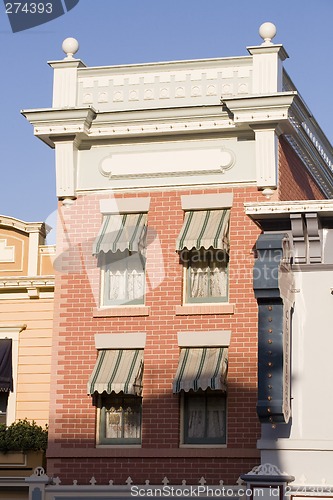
(6, 377)
(116, 387)
(3, 407)
(203, 246)
(123, 278)
(9, 335)
(204, 419)
(201, 380)
(120, 247)
(120, 419)
(206, 275)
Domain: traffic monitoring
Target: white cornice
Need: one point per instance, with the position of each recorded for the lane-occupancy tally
(12, 328)
(85, 124)
(26, 227)
(14, 283)
(66, 64)
(285, 208)
(161, 128)
(160, 122)
(268, 49)
(311, 145)
(291, 117)
(260, 109)
(57, 124)
(98, 71)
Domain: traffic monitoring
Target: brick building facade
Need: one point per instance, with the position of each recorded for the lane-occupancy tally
(153, 171)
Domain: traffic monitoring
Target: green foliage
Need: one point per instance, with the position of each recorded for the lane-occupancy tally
(23, 436)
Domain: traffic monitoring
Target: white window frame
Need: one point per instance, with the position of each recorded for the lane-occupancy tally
(188, 300)
(133, 340)
(102, 441)
(12, 332)
(104, 275)
(182, 444)
(211, 338)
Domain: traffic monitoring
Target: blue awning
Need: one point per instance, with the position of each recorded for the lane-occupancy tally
(6, 374)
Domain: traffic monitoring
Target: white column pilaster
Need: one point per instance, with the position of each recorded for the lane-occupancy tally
(266, 147)
(33, 253)
(65, 82)
(267, 60)
(66, 159)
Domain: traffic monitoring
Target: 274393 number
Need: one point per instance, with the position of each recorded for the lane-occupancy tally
(28, 8)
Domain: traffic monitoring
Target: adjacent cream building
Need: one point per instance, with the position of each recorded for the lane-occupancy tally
(26, 314)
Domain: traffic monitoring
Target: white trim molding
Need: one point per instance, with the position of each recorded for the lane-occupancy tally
(285, 208)
(219, 338)
(120, 340)
(124, 205)
(31, 287)
(207, 201)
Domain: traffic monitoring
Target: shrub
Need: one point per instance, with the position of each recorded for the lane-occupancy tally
(23, 436)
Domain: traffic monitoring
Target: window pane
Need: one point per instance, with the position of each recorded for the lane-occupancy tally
(215, 417)
(132, 422)
(207, 276)
(199, 276)
(218, 281)
(124, 278)
(113, 423)
(121, 419)
(117, 286)
(205, 417)
(3, 407)
(135, 285)
(196, 417)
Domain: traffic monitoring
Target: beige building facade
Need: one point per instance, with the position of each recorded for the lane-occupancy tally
(26, 312)
(26, 316)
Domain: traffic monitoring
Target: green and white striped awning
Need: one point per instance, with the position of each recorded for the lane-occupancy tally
(121, 232)
(201, 368)
(117, 370)
(205, 229)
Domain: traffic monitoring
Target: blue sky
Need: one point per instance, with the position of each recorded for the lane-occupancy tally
(137, 31)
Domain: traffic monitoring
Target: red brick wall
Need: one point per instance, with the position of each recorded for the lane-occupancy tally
(213, 469)
(295, 183)
(72, 415)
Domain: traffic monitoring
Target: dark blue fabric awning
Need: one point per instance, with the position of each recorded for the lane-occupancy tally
(6, 374)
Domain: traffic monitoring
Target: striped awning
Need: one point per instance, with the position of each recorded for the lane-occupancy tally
(117, 370)
(201, 368)
(205, 229)
(6, 372)
(121, 232)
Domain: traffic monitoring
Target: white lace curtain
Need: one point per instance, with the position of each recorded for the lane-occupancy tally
(206, 421)
(126, 278)
(123, 421)
(208, 280)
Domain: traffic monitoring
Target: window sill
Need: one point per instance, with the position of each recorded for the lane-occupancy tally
(203, 446)
(121, 311)
(113, 446)
(191, 309)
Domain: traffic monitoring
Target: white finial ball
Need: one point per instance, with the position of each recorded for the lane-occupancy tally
(267, 31)
(70, 46)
